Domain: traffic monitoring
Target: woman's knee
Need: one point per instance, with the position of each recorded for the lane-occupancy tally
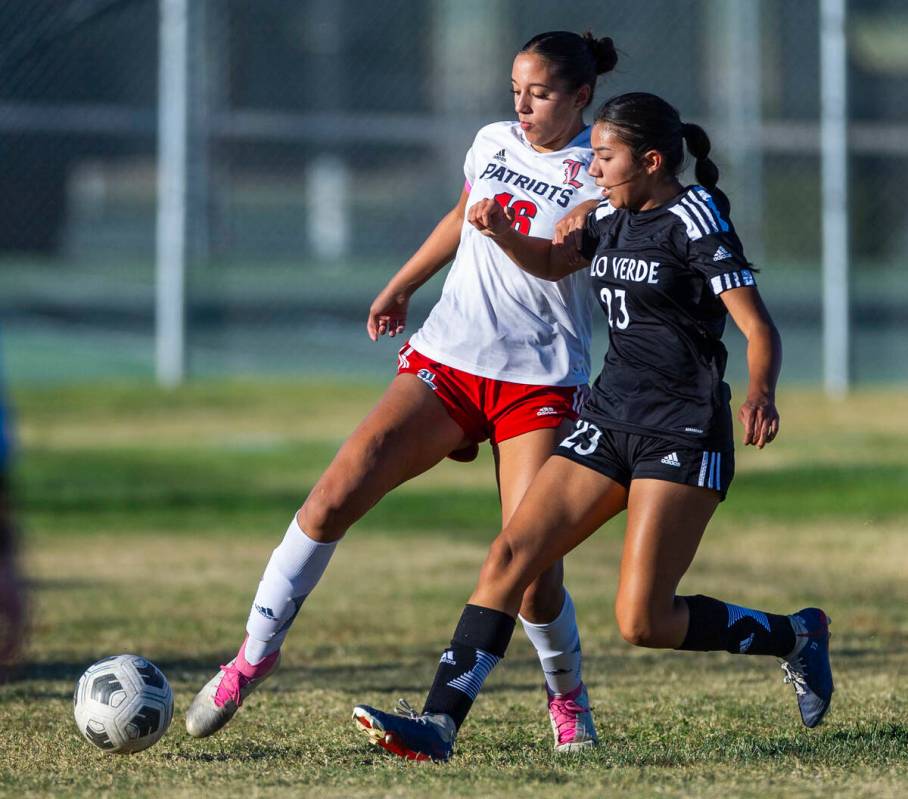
(506, 563)
(499, 559)
(638, 622)
(325, 515)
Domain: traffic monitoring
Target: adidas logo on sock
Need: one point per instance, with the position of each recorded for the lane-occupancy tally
(447, 657)
(501, 156)
(721, 254)
(268, 613)
(671, 460)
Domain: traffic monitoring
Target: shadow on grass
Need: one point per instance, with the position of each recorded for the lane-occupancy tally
(29, 679)
(174, 492)
(875, 742)
(51, 584)
(260, 752)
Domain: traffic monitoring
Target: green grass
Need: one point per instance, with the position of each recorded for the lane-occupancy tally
(149, 517)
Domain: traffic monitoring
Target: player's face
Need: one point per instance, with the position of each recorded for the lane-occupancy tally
(625, 181)
(614, 167)
(549, 115)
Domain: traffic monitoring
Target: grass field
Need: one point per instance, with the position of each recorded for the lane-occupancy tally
(149, 518)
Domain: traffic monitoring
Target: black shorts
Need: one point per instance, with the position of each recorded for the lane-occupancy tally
(629, 456)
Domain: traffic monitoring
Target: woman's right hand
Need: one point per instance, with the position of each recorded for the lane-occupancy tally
(388, 313)
(490, 218)
(569, 233)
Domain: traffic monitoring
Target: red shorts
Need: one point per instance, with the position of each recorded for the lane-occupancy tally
(493, 409)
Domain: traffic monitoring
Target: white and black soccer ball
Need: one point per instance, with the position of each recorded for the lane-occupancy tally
(123, 704)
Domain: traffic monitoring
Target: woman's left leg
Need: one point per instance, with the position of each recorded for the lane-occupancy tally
(665, 522)
(664, 526)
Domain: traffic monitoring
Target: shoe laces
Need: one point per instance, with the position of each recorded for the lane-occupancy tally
(565, 712)
(795, 674)
(231, 686)
(405, 709)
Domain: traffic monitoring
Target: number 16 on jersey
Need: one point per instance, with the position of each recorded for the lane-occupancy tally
(524, 211)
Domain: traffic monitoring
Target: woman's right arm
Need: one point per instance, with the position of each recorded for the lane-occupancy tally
(540, 257)
(388, 313)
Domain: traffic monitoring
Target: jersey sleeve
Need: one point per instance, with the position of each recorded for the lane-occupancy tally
(712, 247)
(469, 168)
(720, 258)
(597, 221)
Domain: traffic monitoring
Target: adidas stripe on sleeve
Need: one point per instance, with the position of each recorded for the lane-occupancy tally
(713, 247)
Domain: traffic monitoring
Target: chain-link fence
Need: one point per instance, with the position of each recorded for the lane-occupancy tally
(328, 137)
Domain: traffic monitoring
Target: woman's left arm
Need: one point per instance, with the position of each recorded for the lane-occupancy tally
(758, 414)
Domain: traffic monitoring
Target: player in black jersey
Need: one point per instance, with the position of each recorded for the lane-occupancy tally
(656, 438)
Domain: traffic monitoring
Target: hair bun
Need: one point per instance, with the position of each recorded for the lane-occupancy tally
(603, 51)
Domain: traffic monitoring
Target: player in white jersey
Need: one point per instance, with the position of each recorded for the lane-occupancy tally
(539, 334)
(503, 356)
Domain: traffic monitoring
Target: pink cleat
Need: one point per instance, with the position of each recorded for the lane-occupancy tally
(572, 720)
(223, 694)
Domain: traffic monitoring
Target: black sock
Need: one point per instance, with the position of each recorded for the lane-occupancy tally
(480, 641)
(719, 625)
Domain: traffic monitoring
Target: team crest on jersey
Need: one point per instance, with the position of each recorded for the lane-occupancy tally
(571, 170)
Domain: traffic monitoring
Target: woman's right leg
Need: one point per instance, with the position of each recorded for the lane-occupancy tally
(407, 433)
(565, 504)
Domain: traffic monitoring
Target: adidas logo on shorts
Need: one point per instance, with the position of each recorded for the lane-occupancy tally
(428, 378)
(671, 460)
(721, 254)
(546, 410)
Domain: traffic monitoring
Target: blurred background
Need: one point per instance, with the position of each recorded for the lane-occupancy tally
(211, 192)
(278, 160)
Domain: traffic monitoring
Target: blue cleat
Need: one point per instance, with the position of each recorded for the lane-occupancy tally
(807, 668)
(408, 734)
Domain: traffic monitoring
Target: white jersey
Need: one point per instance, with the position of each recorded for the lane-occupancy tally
(493, 319)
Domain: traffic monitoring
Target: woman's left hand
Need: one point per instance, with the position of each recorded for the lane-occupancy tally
(760, 419)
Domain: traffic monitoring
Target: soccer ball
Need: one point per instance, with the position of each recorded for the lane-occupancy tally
(123, 704)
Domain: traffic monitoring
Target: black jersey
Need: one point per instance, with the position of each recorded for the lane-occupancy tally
(658, 275)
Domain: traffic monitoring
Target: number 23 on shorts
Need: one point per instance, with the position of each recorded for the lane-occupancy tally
(584, 439)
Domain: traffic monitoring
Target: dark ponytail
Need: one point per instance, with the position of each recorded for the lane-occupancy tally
(698, 145)
(575, 60)
(647, 122)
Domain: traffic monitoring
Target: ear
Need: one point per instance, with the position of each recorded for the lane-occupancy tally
(583, 96)
(652, 161)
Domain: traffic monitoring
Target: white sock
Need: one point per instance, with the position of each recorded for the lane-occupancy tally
(293, 571)
(558, 646)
